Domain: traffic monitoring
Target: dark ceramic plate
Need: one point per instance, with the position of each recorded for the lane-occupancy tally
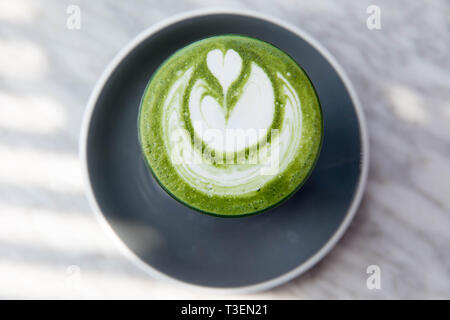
(171, 241)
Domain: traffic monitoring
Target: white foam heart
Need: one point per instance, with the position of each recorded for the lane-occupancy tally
(254, 111)
(225, 68)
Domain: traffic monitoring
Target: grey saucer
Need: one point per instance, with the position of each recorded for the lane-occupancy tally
(173, 242)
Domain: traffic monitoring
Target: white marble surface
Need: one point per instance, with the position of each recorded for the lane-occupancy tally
(52, 247)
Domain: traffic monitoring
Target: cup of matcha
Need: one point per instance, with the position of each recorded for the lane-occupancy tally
(230, 126)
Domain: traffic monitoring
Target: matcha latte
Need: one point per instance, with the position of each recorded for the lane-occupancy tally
(230, 125)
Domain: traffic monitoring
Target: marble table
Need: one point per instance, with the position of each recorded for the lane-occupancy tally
(51, 246)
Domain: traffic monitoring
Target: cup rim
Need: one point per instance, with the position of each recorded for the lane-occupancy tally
(264, 285)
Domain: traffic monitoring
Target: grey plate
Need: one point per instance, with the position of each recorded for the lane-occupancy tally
(174, 242)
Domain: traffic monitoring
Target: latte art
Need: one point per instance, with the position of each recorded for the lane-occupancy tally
(230, 125)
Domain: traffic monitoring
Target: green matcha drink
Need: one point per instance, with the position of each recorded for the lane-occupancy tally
(230, 125)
